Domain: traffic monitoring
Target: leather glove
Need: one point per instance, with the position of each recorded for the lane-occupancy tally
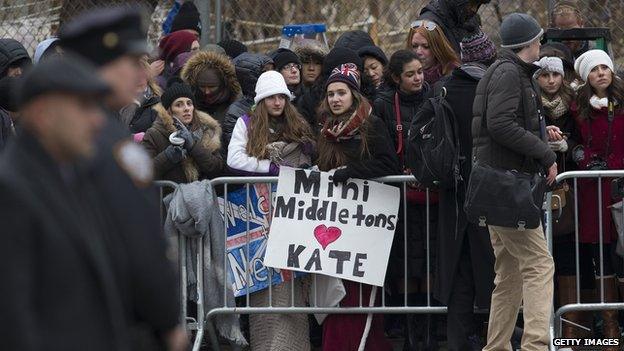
(558, 146)
(341, 176)
(175, 154)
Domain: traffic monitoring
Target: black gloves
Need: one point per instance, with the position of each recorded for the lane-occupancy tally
(341, 175)
(175, 154)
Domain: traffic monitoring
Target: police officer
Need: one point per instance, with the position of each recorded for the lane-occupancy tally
(58, 287)
(114, 40)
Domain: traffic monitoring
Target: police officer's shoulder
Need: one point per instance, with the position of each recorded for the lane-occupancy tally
(133, 159)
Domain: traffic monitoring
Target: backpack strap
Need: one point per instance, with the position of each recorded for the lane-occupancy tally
(611, 116)
(399, 126)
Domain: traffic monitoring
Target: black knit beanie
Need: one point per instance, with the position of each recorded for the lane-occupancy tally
(339, 56)
(187, 18)
(232, 47)
(283, 57)
(175, 89)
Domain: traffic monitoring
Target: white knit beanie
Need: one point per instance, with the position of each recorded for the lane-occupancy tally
(271, 83)
(592, 58)
(549, 64)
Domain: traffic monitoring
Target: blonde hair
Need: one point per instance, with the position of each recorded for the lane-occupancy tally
(440, 47)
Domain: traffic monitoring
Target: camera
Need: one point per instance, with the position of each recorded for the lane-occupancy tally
(597, 164)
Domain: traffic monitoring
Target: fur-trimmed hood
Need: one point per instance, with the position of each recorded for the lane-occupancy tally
(205, 126)
(204, 60)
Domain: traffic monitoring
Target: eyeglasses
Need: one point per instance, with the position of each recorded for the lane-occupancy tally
(290, 66)
(430, 26)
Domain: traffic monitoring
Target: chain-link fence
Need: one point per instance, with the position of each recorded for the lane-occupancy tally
(258, 23)
(31, 21)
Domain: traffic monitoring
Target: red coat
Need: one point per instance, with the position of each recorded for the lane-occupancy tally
(343, 332)
(588, 188)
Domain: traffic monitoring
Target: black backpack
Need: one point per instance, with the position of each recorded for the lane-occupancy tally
(433, 147)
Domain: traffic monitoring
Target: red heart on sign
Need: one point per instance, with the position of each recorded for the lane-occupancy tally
(326, 236)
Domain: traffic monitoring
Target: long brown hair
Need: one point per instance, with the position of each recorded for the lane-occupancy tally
(440, 47)
(296, 129)
(615, 92)
(333, 154)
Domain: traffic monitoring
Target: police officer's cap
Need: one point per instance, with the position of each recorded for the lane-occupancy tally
(65, 74)
(104, 34)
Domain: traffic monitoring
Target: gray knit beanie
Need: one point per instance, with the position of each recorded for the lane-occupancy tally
(519, 30)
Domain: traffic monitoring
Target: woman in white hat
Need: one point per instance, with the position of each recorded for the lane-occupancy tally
(273, 134)
(599, 112)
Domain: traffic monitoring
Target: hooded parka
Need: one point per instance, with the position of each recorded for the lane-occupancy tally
(201, 62)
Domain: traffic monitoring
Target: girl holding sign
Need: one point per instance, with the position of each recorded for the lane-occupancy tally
(273, 134)
(356, 144)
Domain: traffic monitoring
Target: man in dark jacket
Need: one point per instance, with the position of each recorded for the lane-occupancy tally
(14, 59)
(114, 41)
(512, 137)
(466, 259)
(249, 67)
(59, 291)
(458, 18)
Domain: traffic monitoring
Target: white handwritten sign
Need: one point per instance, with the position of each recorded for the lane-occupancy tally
(343, 230)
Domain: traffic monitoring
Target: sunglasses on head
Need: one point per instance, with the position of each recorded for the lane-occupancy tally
(430, 26)
(565, 10)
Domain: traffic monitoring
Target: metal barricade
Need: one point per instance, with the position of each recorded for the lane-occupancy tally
(194, 324)
(313, 308)
(556, 327)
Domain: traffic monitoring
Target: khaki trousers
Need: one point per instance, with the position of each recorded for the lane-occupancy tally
(524, 272)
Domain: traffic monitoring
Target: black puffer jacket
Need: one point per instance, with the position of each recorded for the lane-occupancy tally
(408, 105)
(248, 68)
(510, 96)
(11, 51)
(6, 128)
(450, 15)
(144, 115)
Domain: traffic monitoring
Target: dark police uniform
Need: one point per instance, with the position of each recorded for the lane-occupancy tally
(59, 290)
(122, 171)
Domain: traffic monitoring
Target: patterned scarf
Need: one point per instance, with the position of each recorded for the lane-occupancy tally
(555, 107)
(338, 129)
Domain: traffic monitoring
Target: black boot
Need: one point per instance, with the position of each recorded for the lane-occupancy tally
(414, 323)
(411, 333)
(430, 339)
